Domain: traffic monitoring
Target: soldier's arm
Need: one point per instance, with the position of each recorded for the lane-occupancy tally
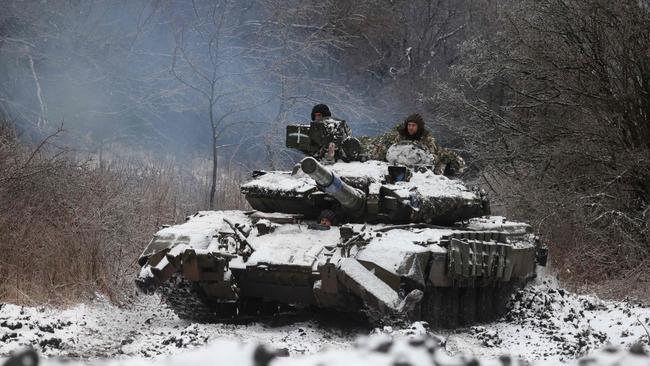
(432, 145)
(451, 163)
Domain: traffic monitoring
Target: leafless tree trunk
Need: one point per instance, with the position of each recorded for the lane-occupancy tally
(203, 62)
(39, 93)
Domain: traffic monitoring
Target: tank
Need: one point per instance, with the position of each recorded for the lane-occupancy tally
(405, 244)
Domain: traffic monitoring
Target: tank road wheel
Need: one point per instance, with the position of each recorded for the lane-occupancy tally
(270, 308)
(449, 307)
(189, 302)
(249, 307)
(253, 307)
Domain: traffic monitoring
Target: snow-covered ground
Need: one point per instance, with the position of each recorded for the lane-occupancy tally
(547, 326)
(148, 329)
(551, 326)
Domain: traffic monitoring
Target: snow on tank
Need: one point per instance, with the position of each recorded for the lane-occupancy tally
(408, 245)
(370, 191)
(405, 153)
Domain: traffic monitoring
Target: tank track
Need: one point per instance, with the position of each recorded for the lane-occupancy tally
(189, 302)
(450, 307)
(441, 307)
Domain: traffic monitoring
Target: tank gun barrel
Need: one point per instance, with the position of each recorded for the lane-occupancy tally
(349, 197)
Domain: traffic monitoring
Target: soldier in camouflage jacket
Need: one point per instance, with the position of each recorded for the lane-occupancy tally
(412, 129)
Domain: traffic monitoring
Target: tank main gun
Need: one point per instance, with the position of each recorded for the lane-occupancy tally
(352, 199)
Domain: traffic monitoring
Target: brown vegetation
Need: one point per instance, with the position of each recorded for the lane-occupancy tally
(69, 230)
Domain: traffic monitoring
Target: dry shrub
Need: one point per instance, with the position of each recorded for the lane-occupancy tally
(553, 107)
(598, 238)
(69, 229)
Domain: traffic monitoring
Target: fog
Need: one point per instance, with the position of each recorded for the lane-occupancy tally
(139, 77)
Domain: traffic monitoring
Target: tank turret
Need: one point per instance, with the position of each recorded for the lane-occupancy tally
(371, 191)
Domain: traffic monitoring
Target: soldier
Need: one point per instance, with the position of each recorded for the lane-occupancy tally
(327, 218)
(447, 162)
(333, 135)
(319, 112)
(413, 129)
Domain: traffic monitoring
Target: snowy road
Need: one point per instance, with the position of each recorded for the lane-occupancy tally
(546, 325)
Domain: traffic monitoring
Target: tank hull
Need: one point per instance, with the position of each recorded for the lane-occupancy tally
(447, 276)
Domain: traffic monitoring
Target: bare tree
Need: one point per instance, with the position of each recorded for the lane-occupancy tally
(208, 61)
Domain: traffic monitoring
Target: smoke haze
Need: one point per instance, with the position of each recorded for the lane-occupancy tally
(143, 76)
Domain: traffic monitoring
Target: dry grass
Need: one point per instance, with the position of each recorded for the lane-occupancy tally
(70, 229)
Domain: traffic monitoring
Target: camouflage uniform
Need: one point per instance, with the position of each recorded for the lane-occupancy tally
(447, 161)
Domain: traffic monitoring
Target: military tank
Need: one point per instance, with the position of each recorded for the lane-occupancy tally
(408, 245)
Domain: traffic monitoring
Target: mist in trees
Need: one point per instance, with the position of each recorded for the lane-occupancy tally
(110, 70)
(548, 101)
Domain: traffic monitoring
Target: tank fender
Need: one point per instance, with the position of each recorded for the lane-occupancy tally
(363, 283)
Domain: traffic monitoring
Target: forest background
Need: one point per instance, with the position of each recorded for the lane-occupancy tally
(120, 116)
